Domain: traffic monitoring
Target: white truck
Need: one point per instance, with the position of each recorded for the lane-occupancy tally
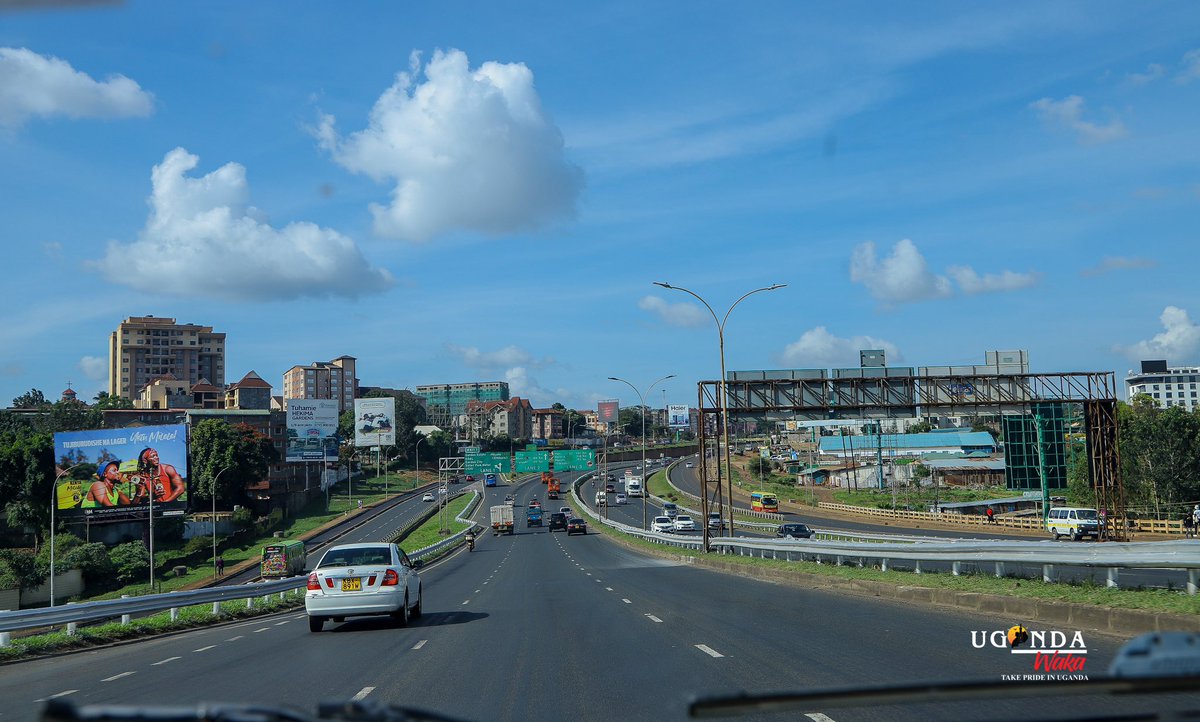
(502, 519)
(633, 486)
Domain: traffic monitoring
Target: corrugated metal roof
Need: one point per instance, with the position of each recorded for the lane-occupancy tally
(929, 440)
(964, 463)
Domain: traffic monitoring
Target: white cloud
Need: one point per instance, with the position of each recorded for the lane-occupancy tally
(1118, 263)
(817, 348)
(971, 283)
(507, 356)
(93, 367)
(203, 239)
(466, 149)
(902, 277)
(677, 314)
(33, 85)
(1178, 343)
(520, 383)
(1191, 67)
(1068, 113)
(1154, 71)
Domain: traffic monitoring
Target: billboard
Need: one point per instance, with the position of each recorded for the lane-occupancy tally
(111, 472)
(677, 416)
(375, 422)
(311, 429)
(486, 462)
(575, 460)
(608, 412)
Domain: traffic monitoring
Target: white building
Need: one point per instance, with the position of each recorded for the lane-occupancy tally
(1167, 386)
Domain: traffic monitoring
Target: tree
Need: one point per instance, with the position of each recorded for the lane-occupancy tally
(629, 422)
(243, 453)
(920, 427)
(104, 401)
(27, 479)
(573, 423)
(31, 399)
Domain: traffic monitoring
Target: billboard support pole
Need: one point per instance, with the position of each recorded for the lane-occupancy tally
(152, 538)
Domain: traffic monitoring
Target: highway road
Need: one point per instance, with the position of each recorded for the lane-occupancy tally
(540, 625)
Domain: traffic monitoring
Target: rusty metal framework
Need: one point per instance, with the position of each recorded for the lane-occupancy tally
(905, 395)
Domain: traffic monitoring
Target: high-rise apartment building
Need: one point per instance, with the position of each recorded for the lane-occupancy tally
(445, 402)
(144, 348)
(1169, 386)
(323, 380)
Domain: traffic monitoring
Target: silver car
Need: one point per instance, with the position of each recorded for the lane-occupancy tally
(354, 580)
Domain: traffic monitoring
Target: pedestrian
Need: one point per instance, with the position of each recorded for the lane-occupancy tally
(360, 503)
(220, 566)
(1189, 526)
(1196, 516)
(991, 516)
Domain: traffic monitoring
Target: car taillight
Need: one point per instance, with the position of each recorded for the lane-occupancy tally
(313, 583)
(390, 578)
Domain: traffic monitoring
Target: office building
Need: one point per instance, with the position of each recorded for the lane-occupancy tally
(1175, 386)
(334, 380)
(446, 402)
(144, 348)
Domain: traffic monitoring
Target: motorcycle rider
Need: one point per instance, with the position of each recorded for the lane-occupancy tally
(470, 541)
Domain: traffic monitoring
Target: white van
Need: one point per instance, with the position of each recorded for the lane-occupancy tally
(601, 498)
(1074, 522)
(633, 485)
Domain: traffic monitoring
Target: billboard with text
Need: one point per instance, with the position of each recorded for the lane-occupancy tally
(608, 412)
(312, 429)
(678, 416)
(111, 472)
(375, 422)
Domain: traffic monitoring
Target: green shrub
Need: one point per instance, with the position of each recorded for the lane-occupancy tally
(243, 520)
(198, 544)
(131, 561)
(91, 559)
(19, 569)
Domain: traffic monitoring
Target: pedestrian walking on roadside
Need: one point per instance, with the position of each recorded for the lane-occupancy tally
(1196, 516)
(991, 516)
(220, 566)
(1189, 526)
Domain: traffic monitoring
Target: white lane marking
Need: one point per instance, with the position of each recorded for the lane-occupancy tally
(599, 582)
(117, 676)
(818, 717)
(709, 650)
(466, 602)
(56, 696)
(654, 618)
(261, 630)
(204, 649)
(234, 639)
(164, 661)
(627, 601)
(477, 591)
(420, 644)
(362, 694)
(588, 573)
(608, 589)
(283, 622)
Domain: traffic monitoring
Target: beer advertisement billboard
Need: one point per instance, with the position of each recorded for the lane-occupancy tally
(111, 472)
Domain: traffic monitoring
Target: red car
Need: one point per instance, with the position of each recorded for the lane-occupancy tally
(470, 479)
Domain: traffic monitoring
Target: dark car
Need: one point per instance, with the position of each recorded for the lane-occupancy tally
(470, 479)
(558, 520)
(610, 488)
(795, 531)
(576, 526)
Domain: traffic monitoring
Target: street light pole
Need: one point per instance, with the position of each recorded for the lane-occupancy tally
(53, 505)
(645, 479)
(417, 465)
(214, 515)
(724, 394)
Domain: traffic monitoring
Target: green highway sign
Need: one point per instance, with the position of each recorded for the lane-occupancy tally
(575, 460)
(484, 463)
(530, 461)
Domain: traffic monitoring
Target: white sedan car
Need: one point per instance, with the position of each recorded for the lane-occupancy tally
(354, 580)
(620, 499)
(428, 496)
(684, 522)
(662, 524)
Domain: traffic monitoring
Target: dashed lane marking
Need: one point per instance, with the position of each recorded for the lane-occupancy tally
(164, 661)
(283, 622)
(115, 677)
(234, 639)
(709, 650)
(818, 717)
(56, 696)
(654, 618)
(204, 649)
(626, 601)
(608, 589)
(261, 630)
(420, 644)
(362, 694)
(466, 602)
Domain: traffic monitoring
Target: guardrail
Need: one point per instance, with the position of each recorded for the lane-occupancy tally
(1113, 557)
(1150, 526)
(73, 614)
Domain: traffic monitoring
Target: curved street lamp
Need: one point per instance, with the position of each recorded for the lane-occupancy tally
(53, 505)
(214, 515)
(645, 480)
(724, 395)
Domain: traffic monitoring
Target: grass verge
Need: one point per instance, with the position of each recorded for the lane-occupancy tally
(189, 617)
(431, 532)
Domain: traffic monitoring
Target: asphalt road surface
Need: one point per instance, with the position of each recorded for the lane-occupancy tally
(540, 625)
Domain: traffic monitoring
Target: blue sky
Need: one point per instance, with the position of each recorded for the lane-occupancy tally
(454, 192)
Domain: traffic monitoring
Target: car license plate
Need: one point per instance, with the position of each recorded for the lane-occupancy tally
(352, 584)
